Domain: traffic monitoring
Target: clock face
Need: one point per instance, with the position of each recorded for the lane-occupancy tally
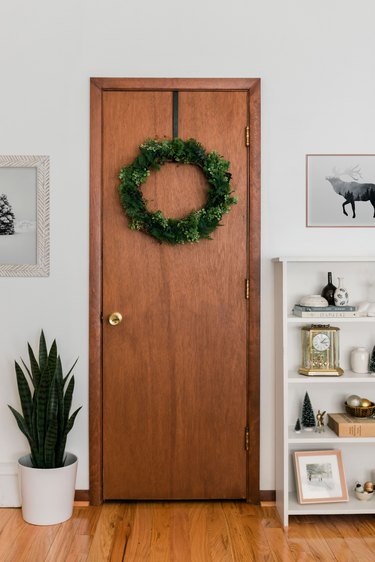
(320, 342)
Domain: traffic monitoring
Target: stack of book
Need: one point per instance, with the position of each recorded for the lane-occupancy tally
(345, 425)
(326, 311)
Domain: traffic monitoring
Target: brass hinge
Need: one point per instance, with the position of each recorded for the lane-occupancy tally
(247, 289)
(247, 438)
(247, 136)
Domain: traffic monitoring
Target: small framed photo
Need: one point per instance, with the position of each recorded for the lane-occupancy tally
(340, 190)
(320, 477)
(24, 216)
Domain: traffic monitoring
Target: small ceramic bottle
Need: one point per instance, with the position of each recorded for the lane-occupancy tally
(359, 357)
(341, 295)
(328, 291)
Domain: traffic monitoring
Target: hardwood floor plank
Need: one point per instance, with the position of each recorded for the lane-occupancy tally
(318, 547)
(349, 529)
(161, 535)
(65, 535)
(101, 544)
(10, 532)
(139, 544)
(180, 545)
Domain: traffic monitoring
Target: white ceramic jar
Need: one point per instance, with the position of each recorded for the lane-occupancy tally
(359, 357)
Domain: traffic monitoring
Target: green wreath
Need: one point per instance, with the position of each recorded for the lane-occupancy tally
(199, 223)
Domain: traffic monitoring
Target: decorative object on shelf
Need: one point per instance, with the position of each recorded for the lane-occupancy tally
(326, 311)
(361, 411)
(313, 300)
(359, 359)
(353, 400)
(364, 492)
(320, 421)
(320, 350)
(368, 486)
(320, 477)
(24, 212)
(350, 178)
(341, 295)
(345, 425)
(371, 362)
(328, 292)
(308, 417)
(297, 427)
(199, 223)
(47, 474)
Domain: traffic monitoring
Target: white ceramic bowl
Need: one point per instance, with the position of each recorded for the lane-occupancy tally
(364, 496)
(313, 300)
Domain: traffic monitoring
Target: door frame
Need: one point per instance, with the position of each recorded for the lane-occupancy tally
(97, 87)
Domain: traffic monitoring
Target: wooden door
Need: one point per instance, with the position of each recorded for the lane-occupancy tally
(175, 371)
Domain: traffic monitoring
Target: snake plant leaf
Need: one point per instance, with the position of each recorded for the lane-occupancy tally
(70, 370)
(41, 405)
(28, 371)
(52, 360)
(68, 427)
(43, 355)
(68, 401)
(21, 423)
(25, 396)
(34, 366)
(50, 444)
(53, 403)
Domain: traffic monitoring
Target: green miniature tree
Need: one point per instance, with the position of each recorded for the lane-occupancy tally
(371, 363)
(308, 417)
(297, 427)
(6, 216)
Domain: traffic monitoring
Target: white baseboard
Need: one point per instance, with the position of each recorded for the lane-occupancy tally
(9, 492)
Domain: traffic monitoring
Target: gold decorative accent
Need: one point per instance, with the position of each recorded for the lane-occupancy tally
(115, 318)
(247, 136)
(247, 289)
(247, 438)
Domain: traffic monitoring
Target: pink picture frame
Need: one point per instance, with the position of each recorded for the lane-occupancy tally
(320, 477)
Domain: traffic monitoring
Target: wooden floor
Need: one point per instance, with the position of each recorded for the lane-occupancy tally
(186, 532)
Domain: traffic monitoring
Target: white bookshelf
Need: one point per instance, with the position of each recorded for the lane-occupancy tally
(296, 277)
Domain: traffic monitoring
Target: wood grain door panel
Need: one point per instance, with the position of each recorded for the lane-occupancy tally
(175, 369)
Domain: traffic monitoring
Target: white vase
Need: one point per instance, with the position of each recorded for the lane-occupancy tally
(47, 494)
(341, 295)
(359, 357)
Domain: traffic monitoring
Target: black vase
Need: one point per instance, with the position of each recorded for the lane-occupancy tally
(328, 292)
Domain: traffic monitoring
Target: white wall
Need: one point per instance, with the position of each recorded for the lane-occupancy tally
(316, 61)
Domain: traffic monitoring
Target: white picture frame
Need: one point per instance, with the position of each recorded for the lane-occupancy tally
(24, 216)
(340, 190)
(320, 477)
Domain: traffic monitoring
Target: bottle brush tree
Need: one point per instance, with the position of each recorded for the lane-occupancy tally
(45, 403)
(308, 418)
(6, 216)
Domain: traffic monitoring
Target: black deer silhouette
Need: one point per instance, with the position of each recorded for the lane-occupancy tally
(352, 191)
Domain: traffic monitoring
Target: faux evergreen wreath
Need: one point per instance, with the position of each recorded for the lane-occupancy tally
(199, 223)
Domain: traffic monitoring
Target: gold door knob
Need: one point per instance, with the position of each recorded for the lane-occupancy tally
(115, 318)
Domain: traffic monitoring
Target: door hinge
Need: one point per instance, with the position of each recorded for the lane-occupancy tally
(247, 438)
(247, 289)
(247, 136)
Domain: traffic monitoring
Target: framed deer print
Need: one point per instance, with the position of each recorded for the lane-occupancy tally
(340, 190)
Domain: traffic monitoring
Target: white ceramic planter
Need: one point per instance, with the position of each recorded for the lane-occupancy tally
(47, 495)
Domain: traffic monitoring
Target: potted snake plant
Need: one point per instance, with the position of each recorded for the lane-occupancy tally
(47, 473)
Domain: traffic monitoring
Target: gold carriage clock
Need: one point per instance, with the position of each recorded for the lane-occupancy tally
(320, 351)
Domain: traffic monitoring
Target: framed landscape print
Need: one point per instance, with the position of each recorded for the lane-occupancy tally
(320, 477)
(24, 216)
(340, 190)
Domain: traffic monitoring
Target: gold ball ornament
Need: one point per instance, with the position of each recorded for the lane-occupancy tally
(368, 487)
(365, 403)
